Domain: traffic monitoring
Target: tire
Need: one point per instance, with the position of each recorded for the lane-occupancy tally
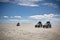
(35, 25)
(38, 26)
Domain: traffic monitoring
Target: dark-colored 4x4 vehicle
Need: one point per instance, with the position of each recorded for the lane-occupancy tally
(47, 25)
(18, 24)
(39, 24)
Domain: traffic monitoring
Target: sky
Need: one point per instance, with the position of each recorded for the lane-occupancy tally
(30, 11)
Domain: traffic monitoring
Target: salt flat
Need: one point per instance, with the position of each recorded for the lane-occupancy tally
(28, 32)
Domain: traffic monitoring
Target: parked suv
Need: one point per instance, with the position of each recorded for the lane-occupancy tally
(47, 25)
(39, 24)
(18, 24)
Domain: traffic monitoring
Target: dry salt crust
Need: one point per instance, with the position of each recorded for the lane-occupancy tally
(28, 32)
